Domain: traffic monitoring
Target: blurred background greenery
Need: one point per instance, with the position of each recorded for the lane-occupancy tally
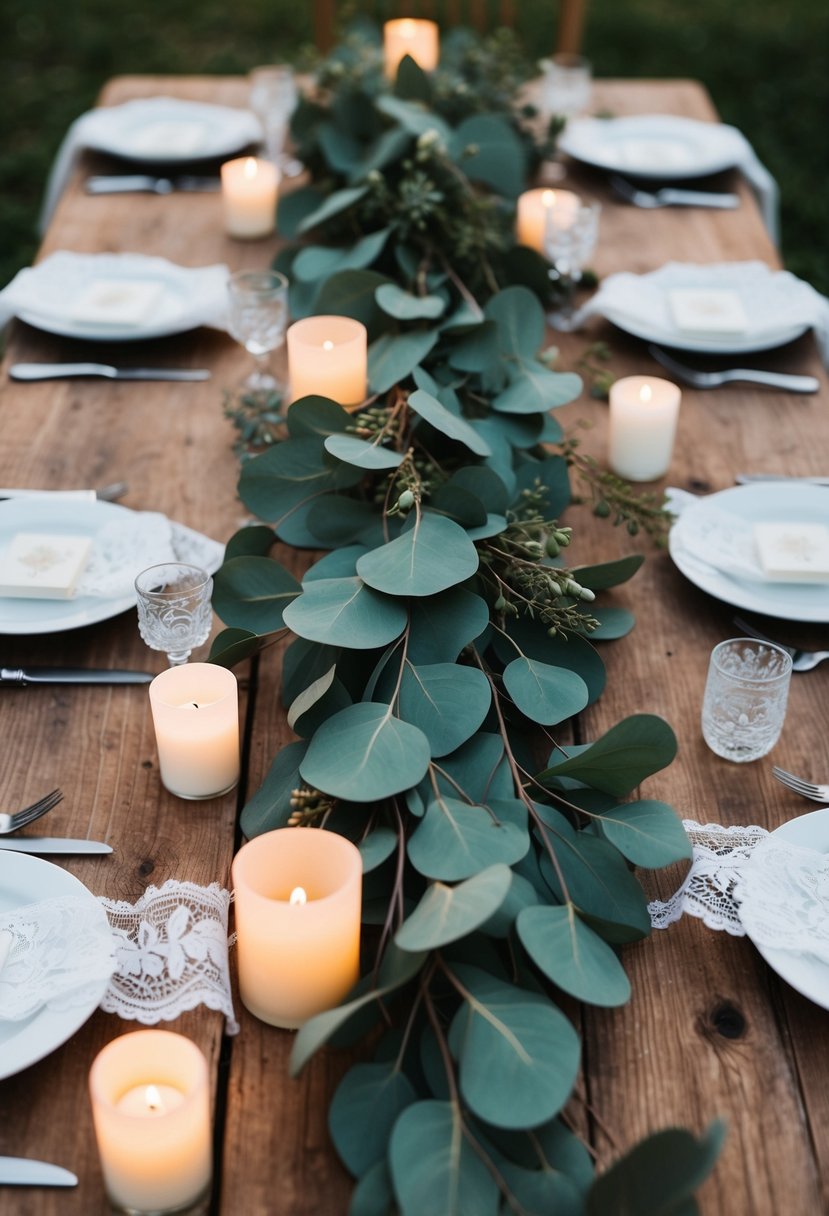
(763, 62)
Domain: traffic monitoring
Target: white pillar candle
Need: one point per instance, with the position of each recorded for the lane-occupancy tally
(249, 192)
(196, 719)
(297, 903)
(534, 206)
(328, 357)
(151, 1109)
(643, 417)
(410, 36)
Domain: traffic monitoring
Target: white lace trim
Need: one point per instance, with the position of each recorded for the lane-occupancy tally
(136, 540)
(783, 898)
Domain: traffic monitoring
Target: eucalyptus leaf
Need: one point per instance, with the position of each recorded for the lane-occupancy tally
(377, 847)
(233, 646)
(388, 147)
(497, 156)
(648, 833)
(478, 769)
(256, 540)
(594, 876)
(318, 261)
(350, 293)
(362, 454)
(404, 306)
(630, 751)
(270, 807)
(446, 914)
(364, 753)
(310, 695)
(609, 574)
(575, 652)
(411, 82)
(456, 840)
(476, 350)
(432, 556)
(340, 563)
(413, 117)
(345, 612)
(483, 482)
(553, 475)
(446, 701)
(434, 1167)
(253, 592)
(441, 625)
(296, 206)
(363, 1110)
(542, 1191)
(571, 955)
(613, 622)
(521, 894)
(658, 1176)
(494, 526)
(291, 474)
(337, 520)
(428, 407)
(461, 506)
(392, 356)
(519, 322)
(316, 416)
(534, 388)
(546, 694)
(373, 1195)
(332, 205)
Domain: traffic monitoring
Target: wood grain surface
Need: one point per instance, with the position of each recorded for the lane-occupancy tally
(710, 1031)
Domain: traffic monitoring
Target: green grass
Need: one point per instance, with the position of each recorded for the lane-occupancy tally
(763, 64)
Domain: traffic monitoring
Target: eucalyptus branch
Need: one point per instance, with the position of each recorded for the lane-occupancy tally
(612, 496)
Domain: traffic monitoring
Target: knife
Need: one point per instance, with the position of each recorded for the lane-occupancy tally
(52, 844)
(747, 479)
(57, 371)
(105, 494)
(144, 183)
(23, 1171)
(72, 675)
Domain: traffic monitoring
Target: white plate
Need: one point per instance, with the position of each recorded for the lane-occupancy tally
(136, 131)
(25, 880)
(32, 616)
(655, 146)
(770, 501)
(732, 344)
(807, 974)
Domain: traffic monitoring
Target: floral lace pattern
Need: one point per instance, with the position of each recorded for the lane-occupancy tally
(783, 898)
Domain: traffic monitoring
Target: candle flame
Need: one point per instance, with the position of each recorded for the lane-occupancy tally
(328, 344)
(250, 167)
(153, 1099)
(548, 198)
(298, 896)
(645, 393)
(408, 28)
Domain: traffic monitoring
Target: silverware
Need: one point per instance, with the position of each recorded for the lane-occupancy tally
(105, 494)
(52, 844)
(24, 1171)
(802, 660)
(19, 819)
(144, 183)
(72, 675)
(59, 371)
(671, 197)
(793, 384)
(749, 479)
(807, 789)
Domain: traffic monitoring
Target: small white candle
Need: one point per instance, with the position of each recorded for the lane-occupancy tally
(328, 357)
(410, 36)
(298, 900)
(151, 1109)
(534, 208)
(249, 192)
(643, 417)
(196, 719)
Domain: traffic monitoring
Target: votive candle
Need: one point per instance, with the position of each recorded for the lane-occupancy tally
(196, 718)
(250, 187)
(328, 356)
(410, 36)
(534, 208)
(151, 1110)
(643, 417)
(298, 901)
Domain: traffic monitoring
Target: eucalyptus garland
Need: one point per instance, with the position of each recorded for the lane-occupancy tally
(441, 648)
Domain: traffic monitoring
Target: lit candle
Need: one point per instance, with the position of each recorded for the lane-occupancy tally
(151, 1109)
(297, 901)
(534, 208)
(328, 356)
(196, 719)
(643, 417)
(249, 191)
(409, 36)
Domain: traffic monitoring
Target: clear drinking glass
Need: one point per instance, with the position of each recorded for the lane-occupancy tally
(174, 612)
(566, 85)
(258, 319)
(569, 242)
(745, 698)
(273, 98)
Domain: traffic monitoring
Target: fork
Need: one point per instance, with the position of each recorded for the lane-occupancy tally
(794, 384)
(802, 660)
(807, 789)
(669, 196)
(19, 819)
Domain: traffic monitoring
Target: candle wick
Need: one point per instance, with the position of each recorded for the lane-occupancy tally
(194, 704)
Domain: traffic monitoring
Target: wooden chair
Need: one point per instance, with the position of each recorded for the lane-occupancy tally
(475, 13)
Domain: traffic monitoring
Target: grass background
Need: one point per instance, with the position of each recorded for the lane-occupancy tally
(763, 62)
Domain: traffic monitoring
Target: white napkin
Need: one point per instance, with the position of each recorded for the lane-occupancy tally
(771, 298)
(112, 127)
(715, 538)
(121, 550)
(49, 288)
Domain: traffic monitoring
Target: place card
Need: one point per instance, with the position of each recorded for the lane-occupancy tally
(793, 552)
(116, 302)
(38, 565)
(653, 154)
(702, 312)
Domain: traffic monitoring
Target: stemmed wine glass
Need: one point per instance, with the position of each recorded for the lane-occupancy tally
(273, 98)
(258, 318)
(569, 241)
(174, 610)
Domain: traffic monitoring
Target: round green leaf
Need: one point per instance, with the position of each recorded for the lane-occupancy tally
(609, 574)
(534, 389)
(433, 1166)
(521, 894)
(659, 1175)
(613, 622)
(253, 592)
(334, 203)
(309, 416)
(350, 293)
(373, 1194)
(519, 320)
(256, 540)
(575, 653)
(542, 1191)
(573, 956)
(648, 833)
(345, 612)
(429, 408)
(364, 455)
(498, 158)
(377, 847)
(630, 751)
(446, 701)
(403, 306)
(392, 357)
(518, 1054)
(291, 474)
(340, 563)
(494, 526)
(432, 556)
(546, 694)
(363, 1110)
(446, 914)
(270, 807)
(233, 646)
(455, 840)
(364, 753)
(598, 881)
(441, 625)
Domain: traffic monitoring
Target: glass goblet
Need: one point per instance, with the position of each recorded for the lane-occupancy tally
(174, 611)
(569, 241)
(566, 85)
(273, 97)
(258, 318)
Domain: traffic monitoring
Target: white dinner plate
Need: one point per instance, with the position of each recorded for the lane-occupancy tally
(806, 973)
(171, 131)
(655, 146)
(733, 344)
(32, 616)
(771, 501)
(26, 880)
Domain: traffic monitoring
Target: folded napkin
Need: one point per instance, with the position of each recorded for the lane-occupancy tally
(134, 128)
(49, 288)
(715, 538)
(121, 550)
(771, 299)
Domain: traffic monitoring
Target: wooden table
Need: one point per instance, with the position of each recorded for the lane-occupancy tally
(710, 1031)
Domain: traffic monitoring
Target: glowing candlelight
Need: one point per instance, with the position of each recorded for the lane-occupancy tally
(328, 357)
(643, 420)
(410, 36)
(298, 896)
(534, 207)
(249, 191)
(196, 719)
